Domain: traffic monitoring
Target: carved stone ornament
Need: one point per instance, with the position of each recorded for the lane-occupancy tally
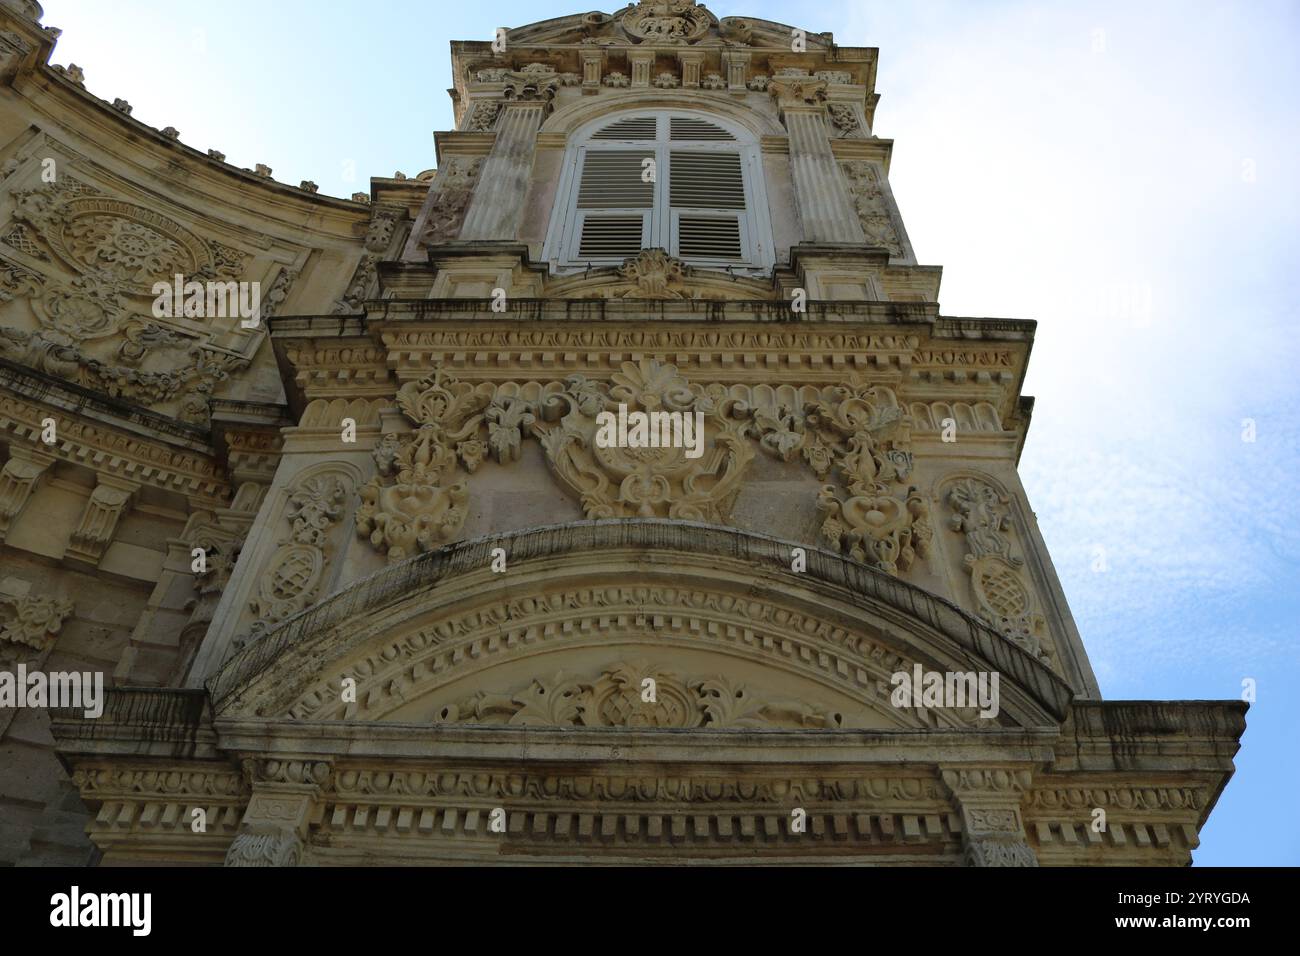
(844, 121)
(417, 502)
(667, 21)
(266, 847)
(484, 117)
(290, 581)
(864, 189)
(191, 384)
(117, 242)
(657, 275)
(637, 695)
(865, 435)
(797, 90)
(32, 621)
(998, 851)
(1003, 598)
(454, 187)
(617, 482)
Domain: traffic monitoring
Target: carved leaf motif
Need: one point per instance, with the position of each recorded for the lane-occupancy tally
(615, 482)
(618, 697)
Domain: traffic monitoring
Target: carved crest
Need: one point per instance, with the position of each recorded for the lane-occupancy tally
(662, 482)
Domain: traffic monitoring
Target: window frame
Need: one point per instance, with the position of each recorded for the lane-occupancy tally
(564, 234)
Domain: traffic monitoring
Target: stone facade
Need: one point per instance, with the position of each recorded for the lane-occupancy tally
(367, 584)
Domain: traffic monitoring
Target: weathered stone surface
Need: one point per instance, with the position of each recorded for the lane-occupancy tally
(295, 542)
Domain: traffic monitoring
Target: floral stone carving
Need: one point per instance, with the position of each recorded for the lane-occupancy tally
(619, 482)
(33, 621)
(636, 695)
(290, 581)
(417, 502)
(1002, 596)
(865, 435)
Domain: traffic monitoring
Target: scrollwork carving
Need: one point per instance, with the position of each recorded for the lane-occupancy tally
(618, 698)
(1003, 597)
(416, 502)
(619, 482)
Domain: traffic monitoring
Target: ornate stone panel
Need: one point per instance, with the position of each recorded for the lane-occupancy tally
(1002, 591)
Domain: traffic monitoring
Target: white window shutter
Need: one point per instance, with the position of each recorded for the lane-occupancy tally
(705, 204)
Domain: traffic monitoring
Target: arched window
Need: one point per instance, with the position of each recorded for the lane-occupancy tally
(701, 198)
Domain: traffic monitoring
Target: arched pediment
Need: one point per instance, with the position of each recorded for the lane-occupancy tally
(586, 612)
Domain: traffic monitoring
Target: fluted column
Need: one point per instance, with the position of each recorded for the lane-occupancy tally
(825, 209)
(498, 203)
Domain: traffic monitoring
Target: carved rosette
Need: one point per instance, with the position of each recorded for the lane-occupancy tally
(32, 622)
(1003, 597)
(418, 501)
(637, 695)
(619, 482)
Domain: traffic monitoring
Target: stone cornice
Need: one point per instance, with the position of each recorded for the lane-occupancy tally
(105, 125)
(109, 437)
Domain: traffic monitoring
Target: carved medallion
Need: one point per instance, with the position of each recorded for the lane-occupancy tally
(667, 21)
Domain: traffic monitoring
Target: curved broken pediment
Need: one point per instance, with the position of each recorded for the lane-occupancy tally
(587, 612)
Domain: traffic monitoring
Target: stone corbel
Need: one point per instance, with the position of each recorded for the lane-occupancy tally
(593, 67)
(19, 478)
(642, 63)
(286, 794)
(94, 533)
(993, 830)
(691, 62)
(735, 64)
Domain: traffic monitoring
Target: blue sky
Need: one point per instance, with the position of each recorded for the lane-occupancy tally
(1126, 174)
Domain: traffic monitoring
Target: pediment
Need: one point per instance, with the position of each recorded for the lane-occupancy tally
(586, 612)
(660, 23)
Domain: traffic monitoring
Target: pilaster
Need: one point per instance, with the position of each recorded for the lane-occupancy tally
(498, 203)
(825, 210)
